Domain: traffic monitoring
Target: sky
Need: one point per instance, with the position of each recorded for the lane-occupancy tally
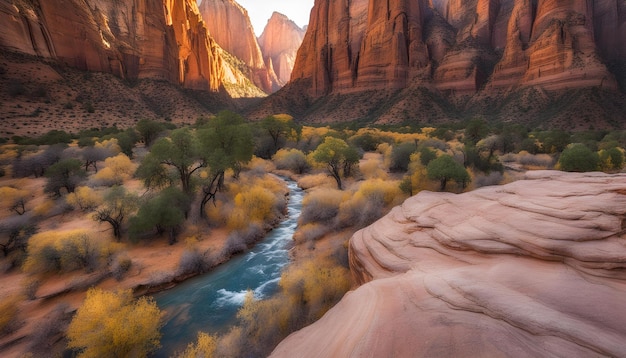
(261, 10)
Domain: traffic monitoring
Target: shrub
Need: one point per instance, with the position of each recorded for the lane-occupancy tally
(321, 206)
(291, 159)
(371, 166)
(54, 251)
(14, 199)
(48, 330)
(9, 313)
(578, 158)
(120, 266)
(368, 203)
(116, 170)
(83, 198)
(311, 232)
(611, 159)
(493, 178)
(401, 157)
(193, 261)
(205, 347)
(113, 324)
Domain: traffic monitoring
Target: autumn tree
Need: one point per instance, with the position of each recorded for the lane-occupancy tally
(116, 170)
(205, 347)
(114, 324)
(118, 205)
(14, 199)
(444, 169)
(83, 198)
(66, 173)
(92, 155)
(338, 157)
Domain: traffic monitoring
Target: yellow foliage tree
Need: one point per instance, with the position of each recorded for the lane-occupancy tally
(204, 347)
(109, 144)
(113, 324)
(14, 199)
(116, 170)
(83, 198)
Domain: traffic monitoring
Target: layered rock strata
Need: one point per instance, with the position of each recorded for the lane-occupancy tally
(157, 39)
(461, 47)
(533, 268)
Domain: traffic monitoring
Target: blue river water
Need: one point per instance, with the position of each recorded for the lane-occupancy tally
(210, 302)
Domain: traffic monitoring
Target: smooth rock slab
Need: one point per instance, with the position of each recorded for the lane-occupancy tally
(533, 268)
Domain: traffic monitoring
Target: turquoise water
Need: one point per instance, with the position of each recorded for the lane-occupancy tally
(210, 302)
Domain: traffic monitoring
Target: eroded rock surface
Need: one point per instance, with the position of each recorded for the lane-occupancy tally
(279, 42)
(533, 268)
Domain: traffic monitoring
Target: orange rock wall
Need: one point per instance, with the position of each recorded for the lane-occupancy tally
(462, 47)
(279, 44)
(163, 39)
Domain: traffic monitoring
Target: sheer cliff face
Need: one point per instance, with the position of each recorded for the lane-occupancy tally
(164, 39)
(230, 26)
(279, 44)
(461, 47)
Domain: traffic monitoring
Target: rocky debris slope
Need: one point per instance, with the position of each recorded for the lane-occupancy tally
(533, 268)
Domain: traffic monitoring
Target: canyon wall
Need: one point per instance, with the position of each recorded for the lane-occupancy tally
(279, 42)
(158, 39)
(229, 24)
(532, 268)
(461, 47)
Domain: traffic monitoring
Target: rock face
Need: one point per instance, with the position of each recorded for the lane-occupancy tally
(381, 45)
(532, 268)
(279, 44)
(230, 25)
(158, 39)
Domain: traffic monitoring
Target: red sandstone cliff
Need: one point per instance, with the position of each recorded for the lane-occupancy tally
(230, 25)
(163, 39)
(279, 44)
(461, 47)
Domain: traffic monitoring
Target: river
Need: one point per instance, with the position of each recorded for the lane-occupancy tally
(210, 302)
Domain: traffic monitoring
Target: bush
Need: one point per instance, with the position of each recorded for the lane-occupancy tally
(83, 198)
(193, 261)
(311, 232)
(120, 266)
(55, 251)
(8, 314)
(321, 206)
(291, 159)
(113, 324)
(401, 157)
(205, 347)
(48, 330)
(578, 158)
(369, 203)
(116, 170)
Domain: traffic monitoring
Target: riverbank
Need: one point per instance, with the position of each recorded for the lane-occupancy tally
(155, 266)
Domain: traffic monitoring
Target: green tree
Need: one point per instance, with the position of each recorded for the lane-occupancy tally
(280, 128)
(226, 143)
(337, 155)
(149, 130)
(578, 158)
(66, 173)
(401, 156)
(181, 151)
(113, 324)
(611, 159)
(475, 130)
(127, 140)
(444, 169)
(164, 213)
(118, 205)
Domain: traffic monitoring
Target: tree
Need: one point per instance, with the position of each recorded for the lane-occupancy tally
(127, 140)
(181, 151)
(66, 173)
(445, 168)
(14, 234)
(611, 159)
(401, 156)
(280, 127)
(475, 130)
(83, 198)
(149, 130)
(92, 155)
(163, 213)
(578, 158)
(337, 155)
(113, 324)
(118, 205)
(226, 143)
(14, 199)
(116, 170)
(205, 347)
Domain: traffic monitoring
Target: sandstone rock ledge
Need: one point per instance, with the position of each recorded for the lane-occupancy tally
(535, 268)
